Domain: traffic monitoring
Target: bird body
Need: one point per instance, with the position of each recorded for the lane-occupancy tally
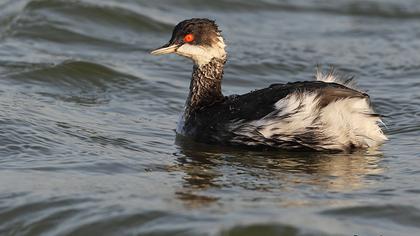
(326, 114)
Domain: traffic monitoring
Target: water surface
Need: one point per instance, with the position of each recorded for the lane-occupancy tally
(87, 120)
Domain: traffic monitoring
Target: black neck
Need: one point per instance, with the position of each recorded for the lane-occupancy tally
(205, 87)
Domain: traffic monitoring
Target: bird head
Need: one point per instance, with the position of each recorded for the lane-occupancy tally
(197, 39)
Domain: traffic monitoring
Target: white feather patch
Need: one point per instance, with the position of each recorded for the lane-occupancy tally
(348, 120)
(333, 77)
(341, 123)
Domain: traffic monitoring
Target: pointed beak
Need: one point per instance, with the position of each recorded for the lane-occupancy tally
(165, 49)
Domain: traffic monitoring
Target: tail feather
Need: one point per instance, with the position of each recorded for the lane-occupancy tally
(364, 122)
(332, 76)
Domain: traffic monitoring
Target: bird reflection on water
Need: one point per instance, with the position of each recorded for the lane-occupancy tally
(208, 167)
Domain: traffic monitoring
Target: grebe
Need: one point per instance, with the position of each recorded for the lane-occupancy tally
(327, 114)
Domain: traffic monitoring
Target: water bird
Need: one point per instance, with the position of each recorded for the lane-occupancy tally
(328, 114)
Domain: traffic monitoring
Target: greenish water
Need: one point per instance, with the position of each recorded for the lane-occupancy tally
(87, 119)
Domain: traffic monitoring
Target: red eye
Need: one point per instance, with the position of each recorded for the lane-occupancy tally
(188, 38)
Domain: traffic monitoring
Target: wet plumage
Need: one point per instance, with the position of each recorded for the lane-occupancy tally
(326, 114)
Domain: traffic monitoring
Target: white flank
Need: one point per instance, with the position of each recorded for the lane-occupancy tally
(348, 120)
(295, 123)
(341, 123)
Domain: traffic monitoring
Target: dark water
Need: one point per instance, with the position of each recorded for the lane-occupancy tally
(87, 120)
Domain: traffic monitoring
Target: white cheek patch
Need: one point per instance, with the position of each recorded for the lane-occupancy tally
(196, 53)
(201, 55)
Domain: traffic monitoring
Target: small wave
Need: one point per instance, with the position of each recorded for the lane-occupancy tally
(268, 68)
(369, 8)
(405, 129)
(58, 217)
(145, 223)
(399, 214)
(74, 74)
(77, 21)
(18, 137)
(263, 229)
(400, 117)
(80, 82)
(35, 218)
(108, 15)
(93, 136)
(360, 8)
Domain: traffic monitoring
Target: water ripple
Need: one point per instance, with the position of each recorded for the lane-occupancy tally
(400, 214)
(74, 21)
